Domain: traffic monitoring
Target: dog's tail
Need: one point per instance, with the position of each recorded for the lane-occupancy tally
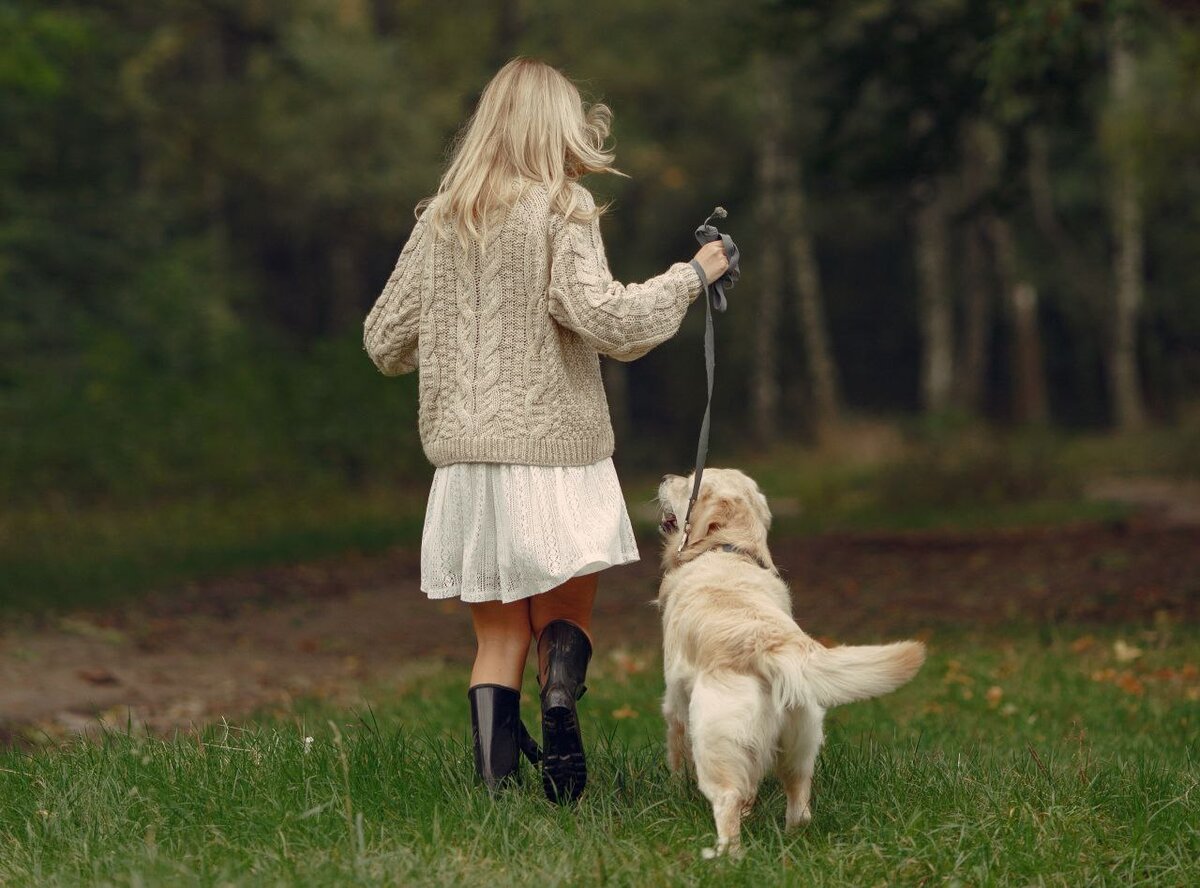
(833, 676)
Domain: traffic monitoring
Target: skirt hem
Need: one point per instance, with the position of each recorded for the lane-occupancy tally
(586, 566)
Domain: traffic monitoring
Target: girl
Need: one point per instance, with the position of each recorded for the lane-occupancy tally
(503, 298)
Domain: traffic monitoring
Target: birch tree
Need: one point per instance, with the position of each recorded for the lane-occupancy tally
(1128, 242)
(765, 368)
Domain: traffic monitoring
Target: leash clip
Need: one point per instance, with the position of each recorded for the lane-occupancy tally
(683, 540)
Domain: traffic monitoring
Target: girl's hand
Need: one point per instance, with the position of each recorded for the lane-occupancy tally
(713, 260)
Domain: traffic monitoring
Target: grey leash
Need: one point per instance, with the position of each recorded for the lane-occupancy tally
(714, 298)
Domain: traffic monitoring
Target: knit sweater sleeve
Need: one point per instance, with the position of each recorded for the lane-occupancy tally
(623, 321)
(390, 330)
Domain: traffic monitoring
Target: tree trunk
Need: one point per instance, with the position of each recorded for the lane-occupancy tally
(1029, 395)
(1029, 403)
(1082, 275)
(976, 320)
(981, 167)
(822, 371)
(1128, 236)
(936, 310)
(765, 371)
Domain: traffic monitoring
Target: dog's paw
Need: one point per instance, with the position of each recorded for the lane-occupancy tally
(804, 818)
(737, 852)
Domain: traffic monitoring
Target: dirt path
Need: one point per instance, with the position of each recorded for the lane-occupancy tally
(261, 639)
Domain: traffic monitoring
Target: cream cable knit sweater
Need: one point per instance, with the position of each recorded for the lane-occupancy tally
(508, 333)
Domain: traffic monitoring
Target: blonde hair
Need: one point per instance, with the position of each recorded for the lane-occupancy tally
(530, 126)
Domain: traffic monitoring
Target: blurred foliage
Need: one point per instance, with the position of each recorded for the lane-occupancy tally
(263, 418)
(969, 466)
(881, 476)
(199, 200)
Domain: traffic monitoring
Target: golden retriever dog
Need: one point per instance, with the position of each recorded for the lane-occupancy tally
(746, 689)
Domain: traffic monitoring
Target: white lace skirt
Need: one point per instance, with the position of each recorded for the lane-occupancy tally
(497, 532)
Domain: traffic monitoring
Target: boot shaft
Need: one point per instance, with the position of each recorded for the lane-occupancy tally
(498, 736)
(564, 651)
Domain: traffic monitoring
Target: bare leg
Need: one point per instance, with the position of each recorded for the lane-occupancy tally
(502, 635)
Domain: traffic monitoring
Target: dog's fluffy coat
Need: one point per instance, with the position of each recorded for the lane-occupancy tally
(746, 688)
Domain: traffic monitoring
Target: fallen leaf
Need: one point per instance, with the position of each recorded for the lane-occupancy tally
(993, 696)
(1082, 644)
(98, 676)
(1127, 682)
(626, 663)
(1124, 652)
(625, 712)
(955, 675)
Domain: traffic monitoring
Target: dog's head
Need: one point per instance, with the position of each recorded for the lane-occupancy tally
(729, 509)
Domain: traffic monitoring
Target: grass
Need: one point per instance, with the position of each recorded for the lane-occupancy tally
(1031, 758)
(59, 557)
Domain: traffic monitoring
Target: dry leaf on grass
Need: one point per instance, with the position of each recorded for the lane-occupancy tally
(1125, 652)
(1125, 680)
(1129, 683)
(1083, 644)
(98, 676)
(627, 664)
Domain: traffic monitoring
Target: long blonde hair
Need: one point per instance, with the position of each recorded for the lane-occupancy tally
(530, 126)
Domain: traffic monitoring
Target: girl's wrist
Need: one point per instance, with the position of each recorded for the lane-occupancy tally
(699, 273)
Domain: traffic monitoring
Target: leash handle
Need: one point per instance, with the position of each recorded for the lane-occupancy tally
(707, 233)
(714, 297)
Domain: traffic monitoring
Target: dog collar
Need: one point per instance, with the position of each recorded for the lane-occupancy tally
(729, 547)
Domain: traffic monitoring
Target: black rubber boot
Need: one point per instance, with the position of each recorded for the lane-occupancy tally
(564, 652)
(499, 735)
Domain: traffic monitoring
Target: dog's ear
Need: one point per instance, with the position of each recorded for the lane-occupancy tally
(710, 514)
(760, 506)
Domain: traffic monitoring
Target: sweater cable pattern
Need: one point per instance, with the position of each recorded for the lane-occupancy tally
(507, 334)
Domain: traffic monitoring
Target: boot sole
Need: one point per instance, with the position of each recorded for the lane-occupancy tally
(564, 769)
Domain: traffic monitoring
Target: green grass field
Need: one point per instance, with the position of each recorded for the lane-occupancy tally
(1027, 758)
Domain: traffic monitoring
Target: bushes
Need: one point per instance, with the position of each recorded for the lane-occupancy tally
(258, 417)
(977, 466)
